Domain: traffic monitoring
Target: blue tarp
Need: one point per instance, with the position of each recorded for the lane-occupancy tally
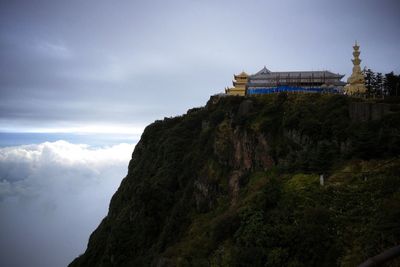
(271, 90)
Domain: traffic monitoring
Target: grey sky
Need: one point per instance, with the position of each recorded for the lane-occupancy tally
(74, 63)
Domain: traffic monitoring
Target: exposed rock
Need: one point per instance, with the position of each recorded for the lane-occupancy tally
(184, 189)
(245, 107)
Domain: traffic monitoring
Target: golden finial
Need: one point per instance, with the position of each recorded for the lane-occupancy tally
(356, 83)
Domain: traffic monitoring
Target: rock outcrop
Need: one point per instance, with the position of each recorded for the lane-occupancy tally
(235, 183)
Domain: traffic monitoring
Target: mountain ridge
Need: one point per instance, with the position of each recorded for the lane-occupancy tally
(236, 183)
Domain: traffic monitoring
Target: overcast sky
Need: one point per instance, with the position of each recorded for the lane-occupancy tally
(70, 64)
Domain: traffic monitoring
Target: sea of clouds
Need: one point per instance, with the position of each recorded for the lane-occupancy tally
(52, 196)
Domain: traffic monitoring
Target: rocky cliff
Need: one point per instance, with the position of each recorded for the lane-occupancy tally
(236, 183)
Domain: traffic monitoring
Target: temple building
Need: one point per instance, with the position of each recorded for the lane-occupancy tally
(239, 84)
(267, 82)
(356, 83)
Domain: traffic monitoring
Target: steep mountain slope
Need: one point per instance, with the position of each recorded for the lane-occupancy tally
(236, 183)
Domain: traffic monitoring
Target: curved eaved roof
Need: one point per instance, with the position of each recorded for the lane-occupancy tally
(265, 73)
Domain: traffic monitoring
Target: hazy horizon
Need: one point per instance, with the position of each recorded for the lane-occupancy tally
(69, 65)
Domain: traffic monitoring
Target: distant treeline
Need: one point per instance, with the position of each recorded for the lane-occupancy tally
(379, 85)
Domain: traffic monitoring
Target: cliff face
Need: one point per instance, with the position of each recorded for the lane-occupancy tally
(236, 183)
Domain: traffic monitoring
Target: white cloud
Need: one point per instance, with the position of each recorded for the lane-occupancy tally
(52, 196)
(55, 50)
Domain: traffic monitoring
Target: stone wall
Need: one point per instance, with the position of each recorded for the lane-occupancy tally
(364, 111)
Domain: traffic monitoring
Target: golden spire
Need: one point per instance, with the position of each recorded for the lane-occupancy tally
(356, 84)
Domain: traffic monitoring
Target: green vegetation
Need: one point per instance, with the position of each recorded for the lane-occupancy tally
(379, 85)
(236, 183)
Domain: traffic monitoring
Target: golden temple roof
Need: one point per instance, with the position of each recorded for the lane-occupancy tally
(241, 75)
